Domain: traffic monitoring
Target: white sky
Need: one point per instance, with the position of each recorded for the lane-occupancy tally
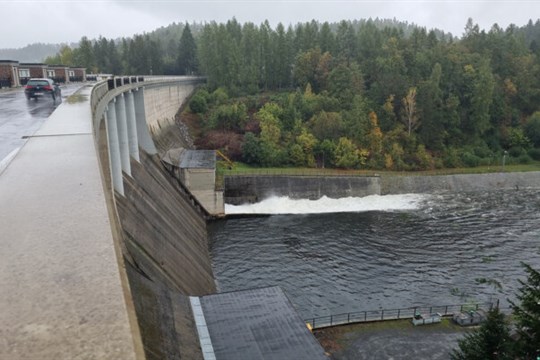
(21, 21)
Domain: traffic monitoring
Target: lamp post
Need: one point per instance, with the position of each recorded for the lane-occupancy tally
(504, 159)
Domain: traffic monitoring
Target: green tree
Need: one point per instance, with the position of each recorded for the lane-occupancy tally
(527, 315)
(346, 41)
(307, 143)
(532, 129)
(346, 154)
(356, 121)
(66, 56)
(478, 99)
(432, 129)
(327, 125)
(491, 341)
(326, 150)
(251, 149)
(312, 67)
(229, 117)
(84, 55)
(344, 83)
(187, 53)
(252, 61)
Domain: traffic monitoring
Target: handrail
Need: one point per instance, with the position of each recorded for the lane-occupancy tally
(394, 314)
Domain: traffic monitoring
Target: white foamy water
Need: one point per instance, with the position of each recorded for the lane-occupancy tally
(286, 205)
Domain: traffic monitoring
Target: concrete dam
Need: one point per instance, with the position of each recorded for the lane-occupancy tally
(159, 225)
(159, 212)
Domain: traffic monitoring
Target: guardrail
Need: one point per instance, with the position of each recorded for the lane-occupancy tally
(394, 314)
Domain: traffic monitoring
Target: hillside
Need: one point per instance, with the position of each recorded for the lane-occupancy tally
(30, 53)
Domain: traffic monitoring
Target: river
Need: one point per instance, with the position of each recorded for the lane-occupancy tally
(355, 254)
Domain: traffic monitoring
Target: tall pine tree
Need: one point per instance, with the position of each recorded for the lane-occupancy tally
(187, 53)
(527, 315)
(490, 341)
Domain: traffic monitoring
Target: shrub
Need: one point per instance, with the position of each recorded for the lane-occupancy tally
(219, 96)
(451, 158)
(516, 151)
(524, 159)
(198, 104)
(470, 160)
(535, 154)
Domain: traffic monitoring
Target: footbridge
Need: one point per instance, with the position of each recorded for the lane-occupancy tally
(104, 251)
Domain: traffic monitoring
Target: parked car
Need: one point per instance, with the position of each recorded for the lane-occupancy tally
(42, 87)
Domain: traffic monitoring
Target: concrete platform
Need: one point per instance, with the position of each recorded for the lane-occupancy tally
(61, 288)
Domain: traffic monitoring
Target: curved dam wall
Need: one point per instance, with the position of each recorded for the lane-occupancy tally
(159, 228)
(249, 189)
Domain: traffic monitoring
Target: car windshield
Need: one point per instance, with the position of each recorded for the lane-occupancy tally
(38, 82)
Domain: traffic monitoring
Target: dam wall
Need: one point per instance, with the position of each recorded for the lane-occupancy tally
(250, 189)
(158, 226)
(253, 188)
(459, 182)
(162, 103)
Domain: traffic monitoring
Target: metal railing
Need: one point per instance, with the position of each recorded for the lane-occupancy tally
(394, 314)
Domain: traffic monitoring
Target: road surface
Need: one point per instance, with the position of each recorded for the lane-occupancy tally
(20, 118)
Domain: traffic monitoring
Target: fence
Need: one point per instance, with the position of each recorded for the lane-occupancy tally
(394, 314)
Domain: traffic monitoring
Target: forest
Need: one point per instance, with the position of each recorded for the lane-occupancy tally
(369, 94)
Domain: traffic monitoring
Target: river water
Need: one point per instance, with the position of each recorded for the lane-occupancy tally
(356, 254)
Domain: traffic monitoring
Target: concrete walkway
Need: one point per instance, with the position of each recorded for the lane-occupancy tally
(61, 294)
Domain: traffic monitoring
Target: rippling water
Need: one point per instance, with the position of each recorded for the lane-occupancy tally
(438, 250)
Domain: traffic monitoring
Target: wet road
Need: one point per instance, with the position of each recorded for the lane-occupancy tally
(20, 118)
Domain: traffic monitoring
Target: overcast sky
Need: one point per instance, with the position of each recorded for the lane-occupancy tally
(22, 22)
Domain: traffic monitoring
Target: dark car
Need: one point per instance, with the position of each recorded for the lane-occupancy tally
(42, 87)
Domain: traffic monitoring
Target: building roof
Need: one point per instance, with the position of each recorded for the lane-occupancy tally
(198, 159)
(258, 324)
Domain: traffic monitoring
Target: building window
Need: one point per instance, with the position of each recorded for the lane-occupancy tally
(24, 73)
(71, 73)
(50, 73)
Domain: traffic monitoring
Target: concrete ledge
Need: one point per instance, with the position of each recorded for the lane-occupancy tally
(61, 291)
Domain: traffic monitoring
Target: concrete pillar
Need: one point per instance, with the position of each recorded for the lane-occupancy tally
(114, 148)
(123, 133)
(16, 82)
(145, 140)
(132, 126)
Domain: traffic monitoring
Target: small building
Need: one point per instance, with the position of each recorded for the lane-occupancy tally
(9, 75)
(196, 170)
(13, 73)
(32, 70)
(60, 73)
(77, 74)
